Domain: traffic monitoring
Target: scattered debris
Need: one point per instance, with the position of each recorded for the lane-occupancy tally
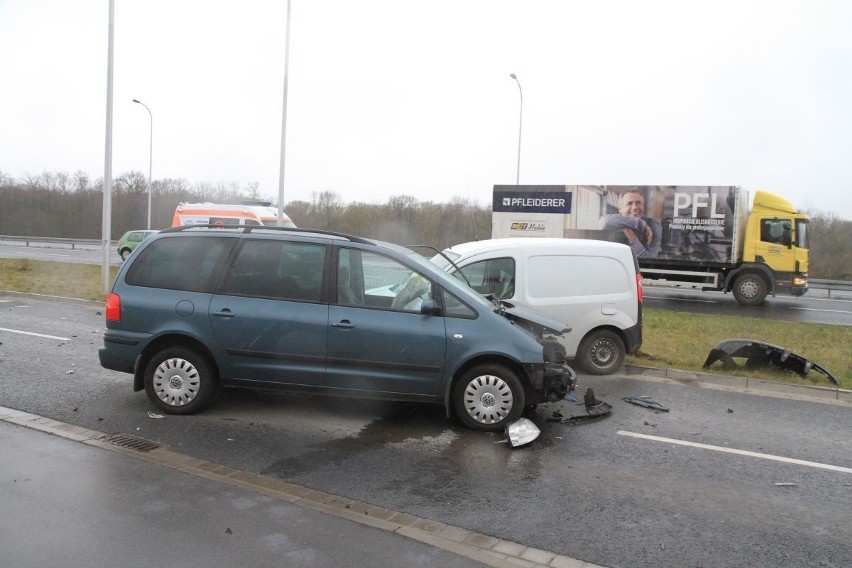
(730, 411)
(228, 530)
(759, 354)
(521, 432)
(152, 414)
(595, 410)
(783, 484)
(646, 402)
(646, 423)
(69, 372)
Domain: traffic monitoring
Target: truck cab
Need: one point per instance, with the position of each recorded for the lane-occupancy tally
(775, 251)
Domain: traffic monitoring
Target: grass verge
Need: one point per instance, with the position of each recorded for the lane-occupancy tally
(682, 341)
(671, 339)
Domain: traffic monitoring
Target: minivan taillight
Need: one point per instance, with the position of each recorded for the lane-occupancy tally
(113, 307)
(639, 287)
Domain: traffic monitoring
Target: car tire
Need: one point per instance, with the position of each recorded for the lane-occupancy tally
(750, 289)
(601, 352)
(125, 253)
(178, 380)
(487, 397)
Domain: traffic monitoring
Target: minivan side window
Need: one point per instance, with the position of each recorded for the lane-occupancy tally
(369, 279)
(188, 263)
(493, 276)
(453, 307)
(277, 270)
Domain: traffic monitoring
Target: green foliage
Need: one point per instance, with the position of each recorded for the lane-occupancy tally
(831, 247)
(71, 206)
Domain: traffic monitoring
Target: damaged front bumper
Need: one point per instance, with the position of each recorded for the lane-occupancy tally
(758, 354)
(550, 382)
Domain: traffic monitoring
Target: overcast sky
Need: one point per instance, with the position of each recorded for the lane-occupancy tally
(393, 97)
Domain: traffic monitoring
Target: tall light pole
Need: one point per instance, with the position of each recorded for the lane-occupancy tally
(284, 122)
(150, 156)
(520, 125)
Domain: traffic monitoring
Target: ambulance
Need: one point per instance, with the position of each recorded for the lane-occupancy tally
(247, 213)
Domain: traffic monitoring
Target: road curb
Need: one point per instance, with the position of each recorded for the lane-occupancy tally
(479, 547)
(743, 384)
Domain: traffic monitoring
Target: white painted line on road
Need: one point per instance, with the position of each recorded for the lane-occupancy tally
(735, 451)
(819, 310)
(679, 299)
(35, 334)
(43, 254)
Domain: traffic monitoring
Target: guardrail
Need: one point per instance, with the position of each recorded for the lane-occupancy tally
(836, 285)
(73, 243)
(820, 284)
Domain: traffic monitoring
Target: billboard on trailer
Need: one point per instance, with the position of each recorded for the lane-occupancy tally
(701, 224)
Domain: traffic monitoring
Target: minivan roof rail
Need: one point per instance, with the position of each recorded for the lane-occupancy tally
(251, 228)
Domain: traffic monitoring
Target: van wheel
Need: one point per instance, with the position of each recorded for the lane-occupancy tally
(125, 253)
(178, 380)
(601, 352)
(487, 397)
(750, 290)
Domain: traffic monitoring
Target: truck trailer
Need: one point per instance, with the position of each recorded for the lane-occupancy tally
(699, 237)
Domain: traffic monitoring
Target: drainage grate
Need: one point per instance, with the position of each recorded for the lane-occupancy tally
(129, 442)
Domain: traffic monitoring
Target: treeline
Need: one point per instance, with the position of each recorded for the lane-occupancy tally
(70, 206)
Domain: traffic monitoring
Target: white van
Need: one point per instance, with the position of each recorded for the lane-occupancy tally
(593, 286)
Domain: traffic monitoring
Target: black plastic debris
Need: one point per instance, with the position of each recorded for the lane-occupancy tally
(646, 402)
(758, 354)
(595, 410)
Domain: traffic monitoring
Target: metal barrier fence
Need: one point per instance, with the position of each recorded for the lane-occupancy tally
(820, 284)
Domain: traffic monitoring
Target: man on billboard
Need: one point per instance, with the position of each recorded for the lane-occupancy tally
(631, 227)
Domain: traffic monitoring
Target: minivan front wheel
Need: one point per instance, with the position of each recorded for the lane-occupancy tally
(179, 380)
(487, 397)
(601, 352)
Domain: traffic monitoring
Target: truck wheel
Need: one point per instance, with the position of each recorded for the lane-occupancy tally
(601, 352)
(125, 253)
(178, 380)
(487, 397)
(750, 290)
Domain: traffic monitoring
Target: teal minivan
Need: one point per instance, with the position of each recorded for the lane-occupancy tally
(196, 308)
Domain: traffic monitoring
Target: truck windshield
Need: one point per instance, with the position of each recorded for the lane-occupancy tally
(802, 233)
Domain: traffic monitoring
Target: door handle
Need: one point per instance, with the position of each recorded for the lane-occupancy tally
(343, 324)
(225, 313)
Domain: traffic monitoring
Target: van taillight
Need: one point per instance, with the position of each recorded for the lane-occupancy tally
(113, 307)
(639, 287)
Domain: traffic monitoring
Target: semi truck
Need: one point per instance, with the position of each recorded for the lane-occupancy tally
(218, 214)
(699, 237)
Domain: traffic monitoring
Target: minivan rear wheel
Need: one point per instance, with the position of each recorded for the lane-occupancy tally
(601, 352)
(179, 380)
(487, 397)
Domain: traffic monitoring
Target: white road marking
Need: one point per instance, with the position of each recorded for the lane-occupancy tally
(679, 299)
(735, 451)
(35, 334)
(819, 310)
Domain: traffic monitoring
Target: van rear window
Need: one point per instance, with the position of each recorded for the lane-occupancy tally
(184, 263)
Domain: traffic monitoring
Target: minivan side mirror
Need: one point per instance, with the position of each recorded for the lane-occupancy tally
(430, 307)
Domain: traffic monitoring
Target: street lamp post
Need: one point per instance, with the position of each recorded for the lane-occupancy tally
(520, 125)
(150, 156)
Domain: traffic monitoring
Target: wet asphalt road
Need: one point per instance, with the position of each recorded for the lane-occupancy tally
(593, 492)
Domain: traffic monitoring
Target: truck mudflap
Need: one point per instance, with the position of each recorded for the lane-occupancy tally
(758, 354)
(551, 382)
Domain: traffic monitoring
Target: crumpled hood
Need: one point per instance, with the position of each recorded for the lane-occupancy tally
(523, 314)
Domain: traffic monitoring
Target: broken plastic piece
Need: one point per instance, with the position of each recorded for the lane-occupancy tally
(759, 354)
(595, 410)
(646, 402)
(521, 432)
